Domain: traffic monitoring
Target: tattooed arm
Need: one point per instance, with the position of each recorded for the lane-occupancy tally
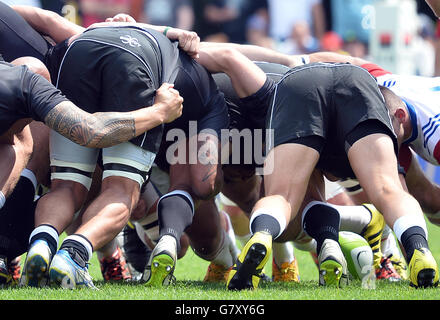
(105, 129)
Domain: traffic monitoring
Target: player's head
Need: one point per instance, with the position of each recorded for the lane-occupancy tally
(398, 112)
(34, 65)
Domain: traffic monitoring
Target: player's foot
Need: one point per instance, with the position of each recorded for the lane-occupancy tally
(115, 268)
(36, 265)
(66, 273)
(5, 277)
(387, 271)
(332, 265)
(423, 270)
(135, 252)
(373, 233)
(160, 268)
(217, 273)
(246, 272)
(14, 270)
(400, 265)
(288, 272)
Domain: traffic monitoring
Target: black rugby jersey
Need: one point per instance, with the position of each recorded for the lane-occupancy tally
(24, 94)
(250, 114)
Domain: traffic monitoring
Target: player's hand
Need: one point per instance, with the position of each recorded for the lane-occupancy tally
(189, 41)
(168, 102)
(121, 17)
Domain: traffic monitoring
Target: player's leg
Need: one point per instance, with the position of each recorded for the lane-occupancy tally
(71, 178)
(210, 241)
(125, 170)
(375, 164)
(288, 169)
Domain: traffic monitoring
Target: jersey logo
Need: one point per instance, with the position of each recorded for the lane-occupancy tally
(132, 42)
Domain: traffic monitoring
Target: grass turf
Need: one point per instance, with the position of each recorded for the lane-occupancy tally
(190, 272)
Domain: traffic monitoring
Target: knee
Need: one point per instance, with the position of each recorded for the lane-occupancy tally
(122, 190)
(71, 189)
(207, 189)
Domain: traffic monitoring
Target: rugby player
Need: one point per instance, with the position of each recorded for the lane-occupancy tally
(365, 146)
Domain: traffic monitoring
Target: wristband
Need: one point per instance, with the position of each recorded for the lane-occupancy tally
(166, 30)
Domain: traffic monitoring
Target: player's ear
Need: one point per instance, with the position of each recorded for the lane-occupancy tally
(401, 114)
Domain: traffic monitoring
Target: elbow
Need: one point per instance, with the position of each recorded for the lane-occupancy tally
(227, 58)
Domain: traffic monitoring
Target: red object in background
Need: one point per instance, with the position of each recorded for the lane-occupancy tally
(385, 39)
(331, 41)
(407, 39)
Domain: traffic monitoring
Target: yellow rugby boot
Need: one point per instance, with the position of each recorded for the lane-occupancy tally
(217, 273)
(288, 272)
(333, 269)
(423, 270)
(246, 272)
(373, 233)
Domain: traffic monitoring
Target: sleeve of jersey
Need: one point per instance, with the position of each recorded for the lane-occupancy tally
(255, 106)
(40, 95)
(437, 152)
(374, 69)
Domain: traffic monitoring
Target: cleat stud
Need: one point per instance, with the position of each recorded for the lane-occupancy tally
(155, 264)
(168, 268)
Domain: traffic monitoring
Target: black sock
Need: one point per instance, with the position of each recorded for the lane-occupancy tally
(77, 251)
(321, 222)
(17, 219)
(266, 223)
(175, 214)
(413, 238)
(51, 242)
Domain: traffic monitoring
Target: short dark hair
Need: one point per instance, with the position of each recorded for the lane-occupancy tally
(392, 101)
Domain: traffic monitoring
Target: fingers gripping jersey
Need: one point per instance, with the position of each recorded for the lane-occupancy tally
(422, 97)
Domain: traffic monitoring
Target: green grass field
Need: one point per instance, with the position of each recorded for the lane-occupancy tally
(190, 272)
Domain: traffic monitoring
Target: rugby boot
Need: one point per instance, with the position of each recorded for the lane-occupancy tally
(160, 268)
(287, 272)
(64, 272)
(5, 277)
(387, 271)
(400, 265)
(332, 265)
(217, 273)
(373, 234)
(246, 272)
(36, 265)
(115, 268)
(423, 270)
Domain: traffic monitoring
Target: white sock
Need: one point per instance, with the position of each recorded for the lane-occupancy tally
(353, 218)
(225, 256)
(107, 250)
(278, 216)
(46, 229)
(231, 234)
(407, 221)
(283, 252)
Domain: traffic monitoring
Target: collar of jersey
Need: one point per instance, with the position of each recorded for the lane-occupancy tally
(413, 118)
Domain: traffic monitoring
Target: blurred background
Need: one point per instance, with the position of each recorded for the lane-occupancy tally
(402, 36)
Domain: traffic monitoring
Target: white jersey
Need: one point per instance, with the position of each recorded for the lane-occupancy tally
(422, 96)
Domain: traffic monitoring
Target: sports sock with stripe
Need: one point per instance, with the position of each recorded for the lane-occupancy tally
(321, 221)
(175, 214)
